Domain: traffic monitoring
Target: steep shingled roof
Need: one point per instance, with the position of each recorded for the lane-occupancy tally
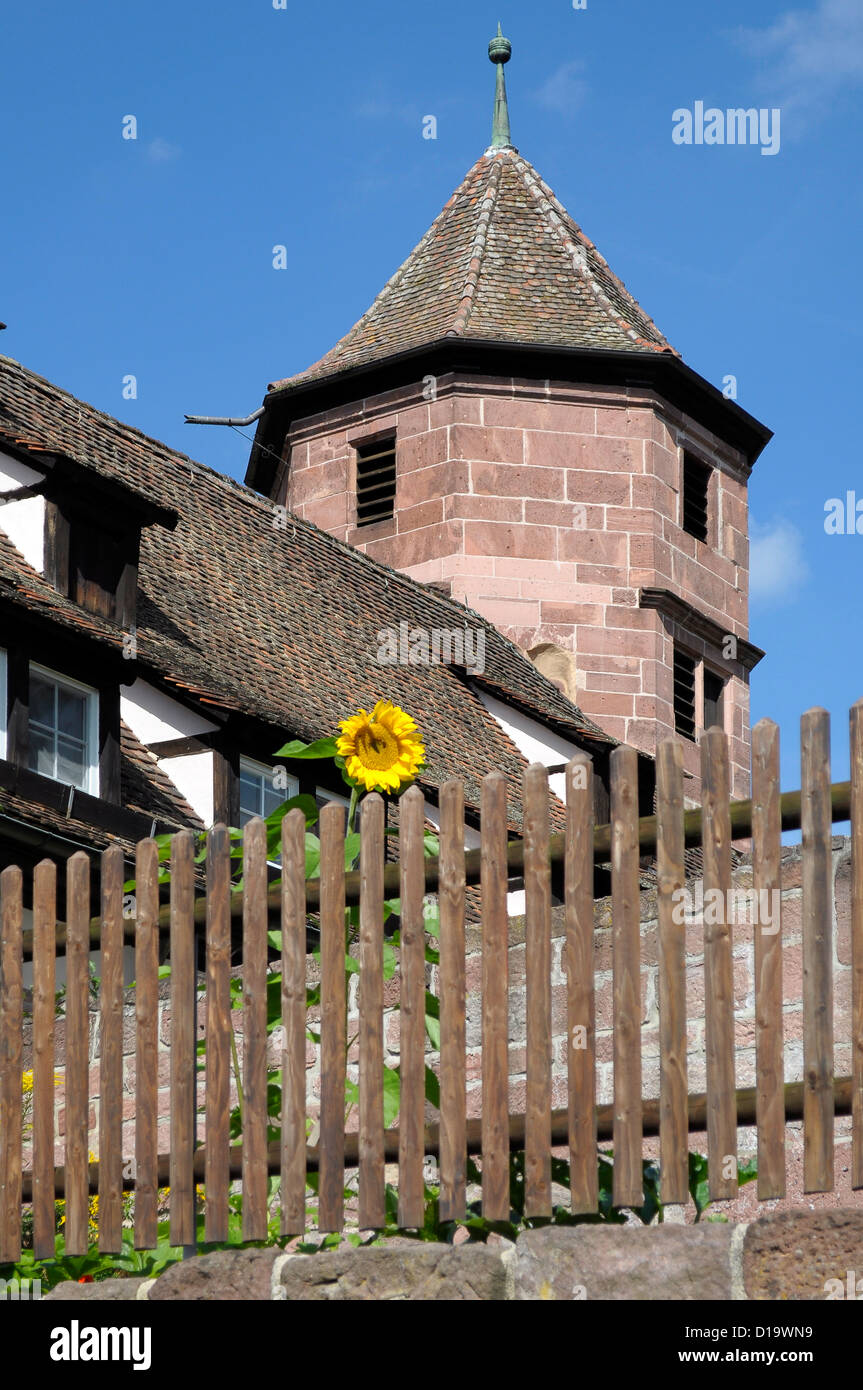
(278, 623)
(503, 262)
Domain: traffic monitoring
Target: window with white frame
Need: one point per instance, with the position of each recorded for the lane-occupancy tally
(322, 796)
(64, 730)
(259, 794)
(4, 703)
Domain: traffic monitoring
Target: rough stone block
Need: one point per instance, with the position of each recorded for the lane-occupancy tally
(235, 1276)
(793, 1254)
(426, 1272)
(101, 1291)
(650, 1263)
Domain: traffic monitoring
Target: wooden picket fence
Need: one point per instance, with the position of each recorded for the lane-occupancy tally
(218, 1164)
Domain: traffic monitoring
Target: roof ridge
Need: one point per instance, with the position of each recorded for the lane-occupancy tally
(477, 249)
(391, 284)
(203, 471)
(545, 198)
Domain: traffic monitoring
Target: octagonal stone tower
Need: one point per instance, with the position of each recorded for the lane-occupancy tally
(506, 423)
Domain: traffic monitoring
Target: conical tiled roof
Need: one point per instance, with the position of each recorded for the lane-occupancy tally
(503, 262)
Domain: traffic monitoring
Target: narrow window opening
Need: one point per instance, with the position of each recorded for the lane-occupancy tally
(376, 481)
(713, 688)
(684, 694)
(696, 479)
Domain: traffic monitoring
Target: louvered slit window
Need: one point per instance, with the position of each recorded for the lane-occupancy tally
(696, 480)
(376, 481)
(684, 694)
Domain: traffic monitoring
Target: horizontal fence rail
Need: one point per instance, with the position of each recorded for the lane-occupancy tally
(741, 823)
(344, 1129)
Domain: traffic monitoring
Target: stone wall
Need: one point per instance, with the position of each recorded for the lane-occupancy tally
(797, 1256)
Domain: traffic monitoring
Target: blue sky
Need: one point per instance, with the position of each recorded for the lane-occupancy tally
(302, 126)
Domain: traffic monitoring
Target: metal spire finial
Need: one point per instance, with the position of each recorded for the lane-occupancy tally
(500, 52)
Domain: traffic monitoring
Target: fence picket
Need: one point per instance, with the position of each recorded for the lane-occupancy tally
(627, 1182)
(412, 1010)
(333, 1020)
(670, 875)
(183, 1057)
(11, 1054)
(111, 1054)
(293, 1155)
(76, 1230)
(255, 1030)
(372, 1204)
(453, 1097)
(721, 1109)
(857, 944)
(146, 1043)
(537, 883)
(766, 880)
(44, 1005)
(218, 1054)
(718, 969)
(816, 828)
(495, 975)
(580, 997)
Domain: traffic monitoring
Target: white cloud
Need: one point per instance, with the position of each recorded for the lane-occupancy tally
(810, 56)
(777, 567)
(161, 151)
(565, 90)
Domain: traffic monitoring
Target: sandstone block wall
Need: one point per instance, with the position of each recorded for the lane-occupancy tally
(547, 508)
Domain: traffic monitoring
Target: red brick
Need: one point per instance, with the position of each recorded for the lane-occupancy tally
(506, 509)
(499, 446)
(329, 512)
(609, 489)
(624, 421)
(564, 514)
(491, 538)
(423, 514)
(418, 485)
(503, 480)
(595, 548)
(571, 612)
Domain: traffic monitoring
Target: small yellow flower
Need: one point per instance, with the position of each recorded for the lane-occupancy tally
(27, 1083)
(380, 750)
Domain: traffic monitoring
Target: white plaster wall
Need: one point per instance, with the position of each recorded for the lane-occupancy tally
(154, 717)
(538, 744)
(471, 837)
(23, 522)
(193, 778)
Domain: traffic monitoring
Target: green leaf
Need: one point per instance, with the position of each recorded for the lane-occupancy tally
(392, 1095)
(352, 849)
(313, 855)
(303, 802)
(321, 748)
(390, 960)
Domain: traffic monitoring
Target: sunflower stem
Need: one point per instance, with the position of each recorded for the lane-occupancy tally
(352, 809)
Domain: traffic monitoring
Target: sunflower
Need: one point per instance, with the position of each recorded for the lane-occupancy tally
(381, 750)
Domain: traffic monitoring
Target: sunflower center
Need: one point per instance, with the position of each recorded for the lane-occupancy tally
(377, 748)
